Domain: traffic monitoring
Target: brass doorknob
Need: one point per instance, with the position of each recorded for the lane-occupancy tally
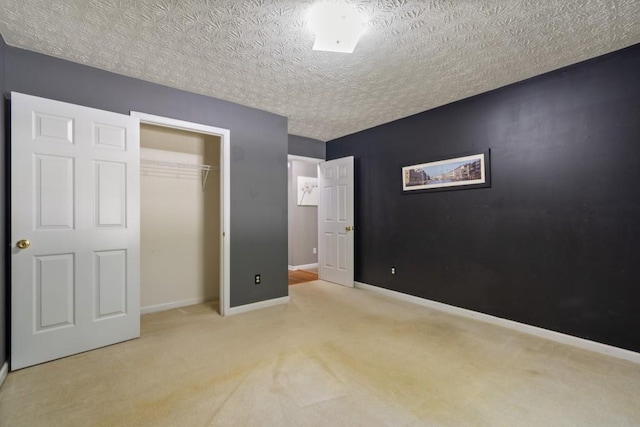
(23, 244)
(348, 228)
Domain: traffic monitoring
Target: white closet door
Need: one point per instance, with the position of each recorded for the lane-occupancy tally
(74, 229)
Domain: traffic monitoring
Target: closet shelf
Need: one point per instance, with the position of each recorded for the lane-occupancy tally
(205, 169)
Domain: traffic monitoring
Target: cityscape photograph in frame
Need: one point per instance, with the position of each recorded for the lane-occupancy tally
(463, 172)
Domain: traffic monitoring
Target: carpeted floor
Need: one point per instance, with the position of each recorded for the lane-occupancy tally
(333, 356)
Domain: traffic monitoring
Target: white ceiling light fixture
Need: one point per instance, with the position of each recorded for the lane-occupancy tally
(337, 26)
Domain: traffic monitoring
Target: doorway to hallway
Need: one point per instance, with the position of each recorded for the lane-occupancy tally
(302, 213)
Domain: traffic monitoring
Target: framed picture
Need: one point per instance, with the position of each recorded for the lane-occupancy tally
(307, 191)
(454, 173)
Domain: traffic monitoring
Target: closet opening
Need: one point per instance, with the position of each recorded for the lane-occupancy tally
(184, 220)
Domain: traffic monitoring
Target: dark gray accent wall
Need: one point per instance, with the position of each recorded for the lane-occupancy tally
(258, 155)
(306, 147)
(4, 283)
(555, 241)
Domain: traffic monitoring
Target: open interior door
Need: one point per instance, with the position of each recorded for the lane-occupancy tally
(336, 221)
(75, 227)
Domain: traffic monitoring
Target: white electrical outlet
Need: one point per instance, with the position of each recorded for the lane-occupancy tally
(315, 251)
(393, 270)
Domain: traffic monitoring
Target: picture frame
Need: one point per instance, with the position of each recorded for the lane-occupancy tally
(464, 171)
(307, 191)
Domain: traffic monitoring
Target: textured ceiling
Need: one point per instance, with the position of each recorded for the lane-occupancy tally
(414, 56)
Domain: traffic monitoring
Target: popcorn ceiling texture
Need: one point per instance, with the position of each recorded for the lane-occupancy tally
(415, 55)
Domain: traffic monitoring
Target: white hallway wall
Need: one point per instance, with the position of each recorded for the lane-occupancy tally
(303, 220)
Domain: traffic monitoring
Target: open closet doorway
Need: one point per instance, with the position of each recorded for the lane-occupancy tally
(303, 219)
(184, 214)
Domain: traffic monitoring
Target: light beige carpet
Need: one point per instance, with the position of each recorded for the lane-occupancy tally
(332, 357)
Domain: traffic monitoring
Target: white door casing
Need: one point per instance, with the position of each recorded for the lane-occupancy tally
(336, 221)
(75, 198)
(225, 193)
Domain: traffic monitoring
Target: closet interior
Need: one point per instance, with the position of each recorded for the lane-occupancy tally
(180, 218)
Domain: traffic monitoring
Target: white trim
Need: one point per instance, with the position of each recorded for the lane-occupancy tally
(258, 305)
(582, 343)
(225, 193)
(177, 124)
(304, 159)
(4, 372)
(173, 304)
(303, 266)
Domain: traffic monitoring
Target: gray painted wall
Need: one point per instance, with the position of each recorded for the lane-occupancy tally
(259, 146)
(306, 147)
(4, 312)
(303, 220)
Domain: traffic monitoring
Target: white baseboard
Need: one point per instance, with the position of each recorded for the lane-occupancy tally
(258, 305)
(303, 266)
(174, 304)
(597, 347)
(4, 372)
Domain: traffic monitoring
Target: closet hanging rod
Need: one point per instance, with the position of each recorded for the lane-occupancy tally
(205, 169)
(174, 164)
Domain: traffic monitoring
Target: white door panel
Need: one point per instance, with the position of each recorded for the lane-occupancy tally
(335, 222)
(74, 197)
(54, 192)
(54, 291)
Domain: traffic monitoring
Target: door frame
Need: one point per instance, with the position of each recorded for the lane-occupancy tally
(225, 192)
(311, 160)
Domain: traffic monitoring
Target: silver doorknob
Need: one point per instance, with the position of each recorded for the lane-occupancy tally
(23, 244)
